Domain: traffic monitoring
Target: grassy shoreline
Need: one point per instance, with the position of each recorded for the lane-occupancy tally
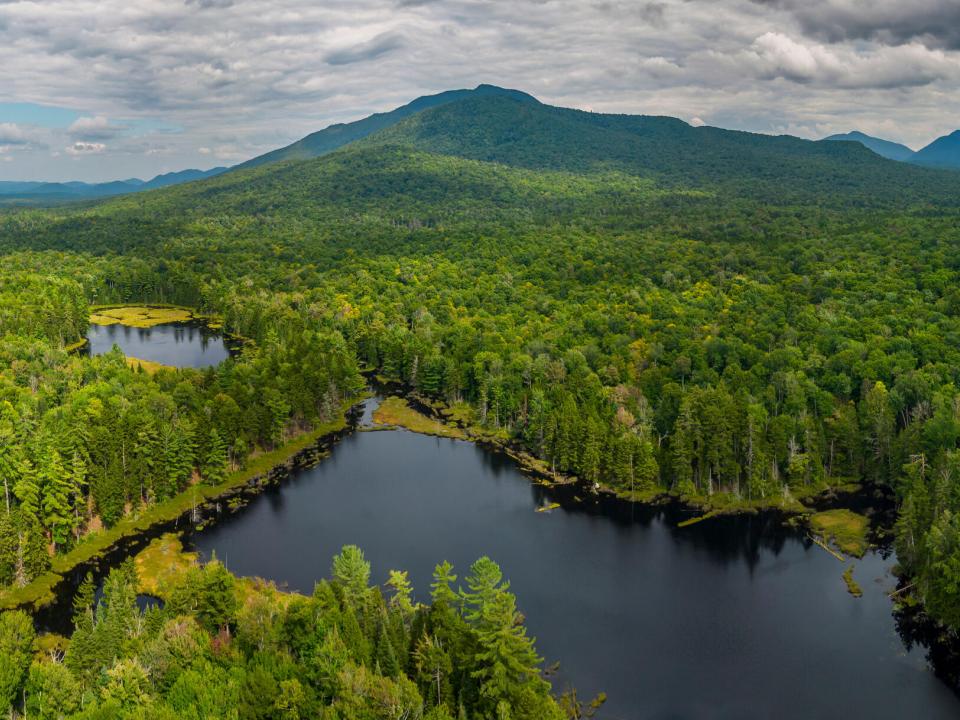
(433, 414)
(40, 591)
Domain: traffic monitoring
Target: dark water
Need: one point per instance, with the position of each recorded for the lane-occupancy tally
(175, 344)
(728, 618)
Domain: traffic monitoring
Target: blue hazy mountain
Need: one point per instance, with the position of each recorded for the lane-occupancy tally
(884, 148)
(943, 152)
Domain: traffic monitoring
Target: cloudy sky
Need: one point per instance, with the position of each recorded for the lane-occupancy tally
(107, 89)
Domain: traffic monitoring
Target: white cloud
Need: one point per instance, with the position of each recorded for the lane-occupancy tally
(697, 121)
(85, 148)
(241, 77)
(94, 128)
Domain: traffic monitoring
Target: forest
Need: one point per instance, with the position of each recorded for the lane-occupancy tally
(650, 322)
(220, 647)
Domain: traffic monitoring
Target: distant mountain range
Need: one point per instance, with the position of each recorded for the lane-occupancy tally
(943, 152)
(489, 123)
(65, 191)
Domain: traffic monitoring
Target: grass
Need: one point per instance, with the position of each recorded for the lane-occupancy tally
(148, 366)
(162, 564)
(852, 586)
(73, 347)
(395, 411)
(845, 529)
(40, 592)
(140, 316)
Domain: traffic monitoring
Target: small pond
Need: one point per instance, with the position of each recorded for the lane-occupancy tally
(191, 344)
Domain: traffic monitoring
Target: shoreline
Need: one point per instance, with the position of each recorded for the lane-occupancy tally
(709, 506)
(191, 506)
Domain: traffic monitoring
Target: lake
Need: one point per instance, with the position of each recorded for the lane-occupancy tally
(175, 344)
(735, 617)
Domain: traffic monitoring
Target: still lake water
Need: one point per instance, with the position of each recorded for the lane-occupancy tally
(728, 618)
(175, 344)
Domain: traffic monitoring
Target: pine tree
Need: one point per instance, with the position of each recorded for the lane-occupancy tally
(352, 571)
(58, 489)
(443, 579)
(214, 466)
(16, 652)
(28, 492)
(506, 659)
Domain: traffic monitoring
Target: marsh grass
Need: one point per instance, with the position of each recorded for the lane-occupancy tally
(162, 564)
(141, 316)
(844, 528)
(395, 411)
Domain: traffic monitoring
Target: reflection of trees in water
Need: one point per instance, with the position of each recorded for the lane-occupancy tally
(942, 646)
(724, 539)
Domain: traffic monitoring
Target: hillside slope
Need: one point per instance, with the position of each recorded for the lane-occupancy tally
(336, 136)
(943, 152)
(779, 169)
(883, 148)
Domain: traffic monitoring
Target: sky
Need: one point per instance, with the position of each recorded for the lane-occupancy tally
(100, 90)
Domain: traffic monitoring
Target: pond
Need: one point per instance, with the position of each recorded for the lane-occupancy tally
(734, 617)
(190, 344)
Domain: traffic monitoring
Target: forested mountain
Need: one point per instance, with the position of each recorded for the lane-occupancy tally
(883, 148)
(11, 191)
(943, 152)
(336, 136)
(644, 304)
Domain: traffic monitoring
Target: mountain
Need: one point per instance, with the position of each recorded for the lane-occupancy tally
(175, 178)
(42, 192)
(943, 152)
(336, 136)
(497, 157)
(883, 148)
(775, 169)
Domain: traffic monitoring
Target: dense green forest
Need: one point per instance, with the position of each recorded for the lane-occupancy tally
(645, 305)
(220, 648)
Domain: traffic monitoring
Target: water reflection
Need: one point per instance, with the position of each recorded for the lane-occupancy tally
(177, 344)
(735, 617)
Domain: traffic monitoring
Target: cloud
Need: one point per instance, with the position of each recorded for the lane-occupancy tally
(775, 55)
(85, 148)
(12, 134)
(207, 4)
(932, 23)
(239, 77)
(381, 44)
(94, 128)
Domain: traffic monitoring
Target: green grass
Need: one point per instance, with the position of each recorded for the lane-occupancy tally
(852, 586)
(162, 564)
(845, 529)
(39, 592)
(141, 316)
(73, 347)
(148, 366)
(395, 411)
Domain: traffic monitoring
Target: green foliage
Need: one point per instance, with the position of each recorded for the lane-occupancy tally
(335, 655)
(16, 648)
(648, 306)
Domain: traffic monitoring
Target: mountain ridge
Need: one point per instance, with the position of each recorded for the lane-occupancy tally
(77, 190)
(884, 148)
(336, 136)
